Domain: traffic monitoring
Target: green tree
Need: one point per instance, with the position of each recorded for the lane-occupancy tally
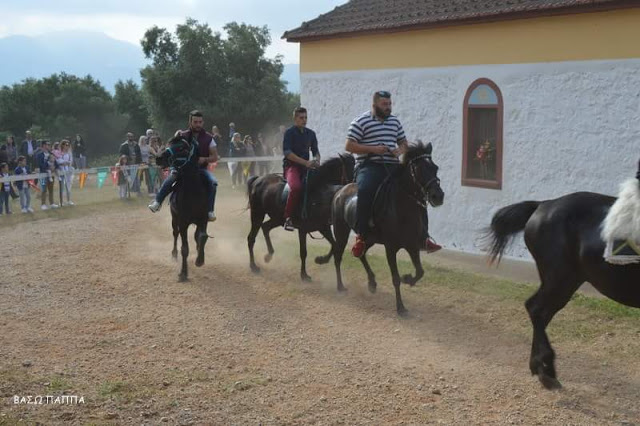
(62, 105)
(130, 102)
(229, 78)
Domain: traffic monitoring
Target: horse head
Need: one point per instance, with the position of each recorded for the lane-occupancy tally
(179, 155)
(424, 174)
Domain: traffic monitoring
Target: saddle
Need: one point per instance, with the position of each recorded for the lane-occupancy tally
(621, 227)
(383, 205)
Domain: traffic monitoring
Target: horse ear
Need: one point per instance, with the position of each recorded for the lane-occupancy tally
(429, 148)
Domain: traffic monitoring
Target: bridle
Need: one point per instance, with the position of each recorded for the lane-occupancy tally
(424, 200)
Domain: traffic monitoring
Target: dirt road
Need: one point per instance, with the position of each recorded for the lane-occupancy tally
(91, 306)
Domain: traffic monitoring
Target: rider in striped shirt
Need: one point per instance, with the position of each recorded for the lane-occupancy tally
(377, 139)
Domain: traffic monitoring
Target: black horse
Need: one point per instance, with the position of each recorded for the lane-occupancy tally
(266, 198)
(398, 216)
(563, 236)
(188, 206)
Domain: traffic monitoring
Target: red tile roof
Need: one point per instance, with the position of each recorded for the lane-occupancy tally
(370, 16)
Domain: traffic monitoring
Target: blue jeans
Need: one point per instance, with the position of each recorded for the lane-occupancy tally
(369, 177)
(4, 201)
(165, 189)
(25, 196)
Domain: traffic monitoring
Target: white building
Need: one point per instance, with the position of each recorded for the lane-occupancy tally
(522, 99)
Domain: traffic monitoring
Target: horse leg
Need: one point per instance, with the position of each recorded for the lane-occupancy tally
(326, 233)
(341, 231)
(176, 232)
(302, 238)
(415, 259)
(393, 266)
(555, 292)
(201, 240)
(371, 277)
(266, 228)
(185, 253)
(256, 222)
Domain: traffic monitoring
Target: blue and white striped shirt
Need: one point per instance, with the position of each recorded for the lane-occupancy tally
(368, 130)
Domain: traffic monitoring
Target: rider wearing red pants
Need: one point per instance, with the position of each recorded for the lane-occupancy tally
(297, 142)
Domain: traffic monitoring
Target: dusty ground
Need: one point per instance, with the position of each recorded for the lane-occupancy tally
(90, 306)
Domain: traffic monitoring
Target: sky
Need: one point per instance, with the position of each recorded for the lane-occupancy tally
(127, 20)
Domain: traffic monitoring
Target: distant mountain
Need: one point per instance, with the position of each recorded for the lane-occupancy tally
(80, 53)
(74, 52)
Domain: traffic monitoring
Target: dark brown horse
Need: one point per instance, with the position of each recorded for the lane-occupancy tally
(188, 206)
(266, 198)
(563, 236)
(398, 214)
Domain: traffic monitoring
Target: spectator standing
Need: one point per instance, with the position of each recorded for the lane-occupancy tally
(65, 170)
(28, 149)
(221, 143)
(123, 177)
(23, 186)
(46, 164)
(12, 153)
(236, 149)
(261, 151)
(145, 154)
(6, 189)
(132, 150)
(232, 131)
(79, 150)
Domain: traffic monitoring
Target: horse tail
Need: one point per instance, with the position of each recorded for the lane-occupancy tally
(506, 223)
(250, 183)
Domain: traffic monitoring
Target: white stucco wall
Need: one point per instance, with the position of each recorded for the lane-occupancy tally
(569, 126)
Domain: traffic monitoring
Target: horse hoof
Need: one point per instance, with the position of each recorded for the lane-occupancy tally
(549, 383)
(199, 262)
(268, 257)
(402, 312)
(408, 279)
(174, 254)
(183, 278)
(341, 288)
(255, 269)
(321, 260)
(373, 286)
(305, 278)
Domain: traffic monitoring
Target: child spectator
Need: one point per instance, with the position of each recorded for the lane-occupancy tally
(123, 177)
(6, 188)
(46, 163)
(57, 152)
(23, 186)
(66, 171)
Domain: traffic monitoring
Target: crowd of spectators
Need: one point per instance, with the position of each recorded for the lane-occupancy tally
(60, 159)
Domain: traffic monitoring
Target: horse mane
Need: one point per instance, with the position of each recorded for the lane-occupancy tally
(325, 174)
(415, 150)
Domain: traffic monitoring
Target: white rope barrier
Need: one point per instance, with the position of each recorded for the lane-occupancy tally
(95, 170)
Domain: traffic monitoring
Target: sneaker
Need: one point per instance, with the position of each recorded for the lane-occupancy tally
(155, 206)
(44, 207)
(54, 206)
(288, 225)
(358, 248)
(29, 209)
(71, 203)
(212, 217)
(24, 210)
(430, 246)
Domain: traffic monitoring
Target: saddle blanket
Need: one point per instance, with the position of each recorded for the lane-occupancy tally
(621, 227)
(622, 252)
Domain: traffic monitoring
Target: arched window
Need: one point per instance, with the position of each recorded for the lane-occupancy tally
(482, 135)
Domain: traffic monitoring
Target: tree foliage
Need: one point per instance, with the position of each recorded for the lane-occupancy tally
(61, 106)
(130, 102)
(228, 78)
